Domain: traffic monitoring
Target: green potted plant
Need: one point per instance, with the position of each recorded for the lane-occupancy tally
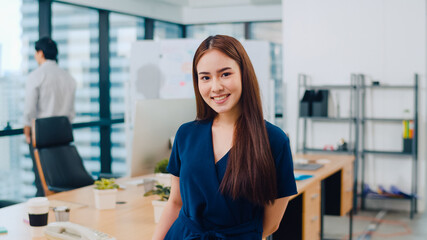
(159, 205)
(105, 192)
(161, 174)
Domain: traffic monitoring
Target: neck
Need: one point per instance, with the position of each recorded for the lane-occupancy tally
(229, 118)
(42, 61)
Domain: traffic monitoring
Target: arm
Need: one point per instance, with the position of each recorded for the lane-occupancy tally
(171, 211)
(72, 111)
(27, 133)
(30, 110)
(31, 101)
(273, 215)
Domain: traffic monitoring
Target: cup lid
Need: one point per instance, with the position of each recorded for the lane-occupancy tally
(38, 201)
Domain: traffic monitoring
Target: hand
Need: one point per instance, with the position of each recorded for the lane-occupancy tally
(27, 133)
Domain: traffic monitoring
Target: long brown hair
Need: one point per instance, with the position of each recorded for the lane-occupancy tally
(251, 172)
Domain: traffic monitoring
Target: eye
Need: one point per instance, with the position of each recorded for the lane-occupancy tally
(204, 78)
(226, 74)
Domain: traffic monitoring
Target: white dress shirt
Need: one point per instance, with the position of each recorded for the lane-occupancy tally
(50, 91)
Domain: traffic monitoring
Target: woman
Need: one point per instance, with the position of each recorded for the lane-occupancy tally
(233, 171)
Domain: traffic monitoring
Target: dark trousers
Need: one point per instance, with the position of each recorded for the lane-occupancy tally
(37, 182)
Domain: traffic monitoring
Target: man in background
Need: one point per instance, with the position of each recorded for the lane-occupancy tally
(49, 91)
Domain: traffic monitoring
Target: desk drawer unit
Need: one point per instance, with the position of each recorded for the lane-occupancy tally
(311, 212)
(347, 189)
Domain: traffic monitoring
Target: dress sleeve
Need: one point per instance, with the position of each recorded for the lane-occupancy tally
(286, 185)
(174, 165)
(31, 98)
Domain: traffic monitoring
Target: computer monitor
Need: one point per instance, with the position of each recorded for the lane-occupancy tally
(156, 122)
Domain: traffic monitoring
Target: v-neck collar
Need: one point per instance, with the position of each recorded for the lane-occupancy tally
(212, 147)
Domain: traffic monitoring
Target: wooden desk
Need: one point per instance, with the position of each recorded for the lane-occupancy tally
(135, 220)
(132, 220)
(329, 191)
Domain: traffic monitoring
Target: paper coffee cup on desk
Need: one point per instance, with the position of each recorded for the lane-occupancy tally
(38, 211)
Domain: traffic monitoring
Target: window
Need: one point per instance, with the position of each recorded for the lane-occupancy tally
(75, 30)
(124, 30)
(19, 31)
(164, 30)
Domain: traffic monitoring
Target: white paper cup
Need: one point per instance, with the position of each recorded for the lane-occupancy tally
(62, 213)
(38, 211)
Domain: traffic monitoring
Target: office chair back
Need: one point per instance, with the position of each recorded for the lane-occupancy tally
(59, 164)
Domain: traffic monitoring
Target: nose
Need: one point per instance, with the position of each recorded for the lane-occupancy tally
(216, 85)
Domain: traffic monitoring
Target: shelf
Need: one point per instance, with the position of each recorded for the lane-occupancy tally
(327, 151)
(399, 87)
(330, 119)
(376, 197)
(387, 152)
(386, 119)
(341, 87)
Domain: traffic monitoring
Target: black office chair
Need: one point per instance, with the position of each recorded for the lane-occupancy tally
(59, 165)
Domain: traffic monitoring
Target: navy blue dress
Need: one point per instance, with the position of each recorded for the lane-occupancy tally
(206, 213)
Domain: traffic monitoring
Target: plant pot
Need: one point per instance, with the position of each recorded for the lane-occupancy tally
(164, 179)
(105, 199)
(148, 184)
(158, 209)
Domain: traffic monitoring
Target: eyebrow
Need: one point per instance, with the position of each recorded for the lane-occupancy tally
(221, 70)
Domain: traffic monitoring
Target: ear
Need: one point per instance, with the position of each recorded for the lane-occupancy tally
(41, 54)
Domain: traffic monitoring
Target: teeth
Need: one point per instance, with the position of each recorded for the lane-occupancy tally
(220, 98)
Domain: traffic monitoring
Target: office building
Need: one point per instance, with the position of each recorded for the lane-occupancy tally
(1, 70)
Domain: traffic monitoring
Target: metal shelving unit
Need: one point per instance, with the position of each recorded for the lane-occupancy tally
(357, 121)
(352, 120)
(412, 155)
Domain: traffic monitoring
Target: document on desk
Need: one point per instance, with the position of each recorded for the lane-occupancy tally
(70, 205)
(300, 177)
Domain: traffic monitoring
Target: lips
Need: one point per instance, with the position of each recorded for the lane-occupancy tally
(220, 99)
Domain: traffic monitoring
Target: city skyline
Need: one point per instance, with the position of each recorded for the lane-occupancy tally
(10, 39)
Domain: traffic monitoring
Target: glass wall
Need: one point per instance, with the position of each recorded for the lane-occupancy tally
(87, 144)
(18, 32)
(236, 30)
(272, 32)
(75, 30)
(164, 30)
(124, 30)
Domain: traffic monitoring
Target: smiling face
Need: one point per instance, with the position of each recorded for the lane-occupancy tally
(220, 82)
